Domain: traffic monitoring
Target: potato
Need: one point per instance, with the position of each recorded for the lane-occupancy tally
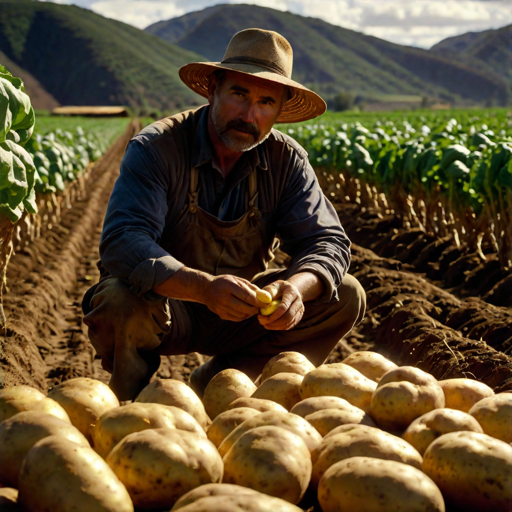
(282, 388)
(9, 500)
(473, 471)
(158, 466)
(328, 419)
(224, 388)
(368, 484)
(427, 428)
(259, 503)
(271, 460)
(227, 421)
(291, 422)
(230, 497)
(177, 393)
(259, 404)
(85, 400)
(371, 364)
(22, 431)
(495, 416)
(373, 443)
(287, 362)
(351, 427)
(319, 403)
(404, 394)
(342, 381)
(117, 423)
(17, 399)
(462, 394)
(60, 475)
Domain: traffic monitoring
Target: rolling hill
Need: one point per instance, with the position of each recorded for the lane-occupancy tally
(81, 58)
(330, 59)
(490, 50)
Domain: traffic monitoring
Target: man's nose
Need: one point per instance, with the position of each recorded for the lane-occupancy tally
(248, 113)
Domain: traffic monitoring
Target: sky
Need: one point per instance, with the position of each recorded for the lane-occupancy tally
(420, 23)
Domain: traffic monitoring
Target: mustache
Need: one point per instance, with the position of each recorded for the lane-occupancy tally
(242, 126)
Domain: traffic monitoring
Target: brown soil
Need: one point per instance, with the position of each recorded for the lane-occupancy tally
(419, 312)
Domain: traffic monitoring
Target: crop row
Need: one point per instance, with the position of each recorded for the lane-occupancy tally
(444, 176)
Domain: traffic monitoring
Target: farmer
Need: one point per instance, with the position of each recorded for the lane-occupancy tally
(202, 201)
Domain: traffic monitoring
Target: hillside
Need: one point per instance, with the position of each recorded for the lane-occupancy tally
(39, 97)
(81, 58)
(330, 59)
(489, 50)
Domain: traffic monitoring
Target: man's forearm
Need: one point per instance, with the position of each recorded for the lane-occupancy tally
(186, 284)
(309, 285)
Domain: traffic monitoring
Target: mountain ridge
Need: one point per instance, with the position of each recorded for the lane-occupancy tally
(325, 52)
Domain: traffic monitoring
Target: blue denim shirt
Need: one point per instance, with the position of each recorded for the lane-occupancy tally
(152, 190)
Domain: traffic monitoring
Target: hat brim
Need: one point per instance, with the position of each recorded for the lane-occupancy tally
(304, 104)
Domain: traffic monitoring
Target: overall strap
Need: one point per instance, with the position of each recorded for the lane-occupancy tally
(253, 189)
(193, 192)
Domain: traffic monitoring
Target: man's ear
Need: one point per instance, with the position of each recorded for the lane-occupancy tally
(212, 87)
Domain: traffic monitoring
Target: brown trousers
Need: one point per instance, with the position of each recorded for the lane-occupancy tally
(130, 333)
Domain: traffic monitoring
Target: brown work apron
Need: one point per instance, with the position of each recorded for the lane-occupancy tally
(204, 242)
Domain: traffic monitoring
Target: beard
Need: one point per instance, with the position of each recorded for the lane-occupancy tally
(229, 133)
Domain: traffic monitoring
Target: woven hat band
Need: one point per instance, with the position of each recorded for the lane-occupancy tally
(267, 64)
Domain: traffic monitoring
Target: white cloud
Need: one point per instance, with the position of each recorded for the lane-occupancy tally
(413, 22)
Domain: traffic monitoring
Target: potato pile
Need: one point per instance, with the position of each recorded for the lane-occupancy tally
(360, 435)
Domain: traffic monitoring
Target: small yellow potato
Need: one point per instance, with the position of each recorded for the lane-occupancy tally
(227, 421)
(260, 404)
(9, 500)
(369, 484)
(158, 466)
(427, 428)
(22, 431)
(224, 388)
(404, 394)
(371, 364)
(291, 422)
(60, 475)
(473, 471)
(264, 296)
(319, 403)
(231, 498)
(176, 393)
(85, 400)
(287, 362)
(462, 394)
(268, 310)
(271, 460)
(495, 416)
(328, 419)
(373, 443)
(117, 423)
(282, 388)
(342, 381)
(17, 399)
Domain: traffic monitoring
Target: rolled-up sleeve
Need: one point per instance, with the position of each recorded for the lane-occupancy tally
(311, 231)
(135, 220)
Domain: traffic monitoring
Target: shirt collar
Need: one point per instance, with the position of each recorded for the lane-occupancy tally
(203, 150)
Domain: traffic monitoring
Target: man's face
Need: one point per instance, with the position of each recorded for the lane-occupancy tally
(244, 109)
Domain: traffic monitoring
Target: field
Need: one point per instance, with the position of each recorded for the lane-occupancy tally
(407, 270)
(438, 294)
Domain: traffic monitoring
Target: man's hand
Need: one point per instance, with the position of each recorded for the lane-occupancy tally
(289, 312)
(232, 298)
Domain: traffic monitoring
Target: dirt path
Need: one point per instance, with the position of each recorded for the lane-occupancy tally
(410, 319)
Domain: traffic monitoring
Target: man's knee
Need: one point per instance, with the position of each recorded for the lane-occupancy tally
(352, 298)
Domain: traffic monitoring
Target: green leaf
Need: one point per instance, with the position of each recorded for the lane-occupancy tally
(5, 113)
(30, 202)
(6, 169)
(27, 160)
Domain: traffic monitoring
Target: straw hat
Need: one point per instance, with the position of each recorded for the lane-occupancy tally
(265, 54)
